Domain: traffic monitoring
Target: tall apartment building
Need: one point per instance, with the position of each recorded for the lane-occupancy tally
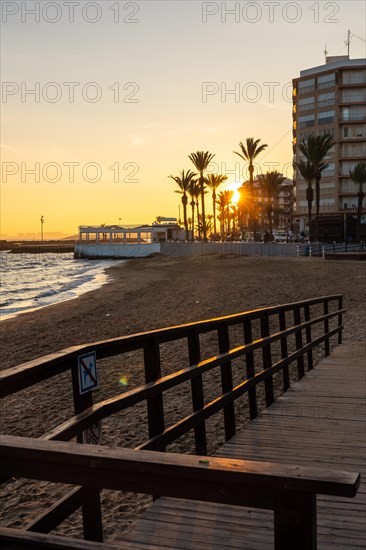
(331, 99)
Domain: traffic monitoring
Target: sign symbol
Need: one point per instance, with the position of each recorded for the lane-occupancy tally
(87, 371)
(93, 434)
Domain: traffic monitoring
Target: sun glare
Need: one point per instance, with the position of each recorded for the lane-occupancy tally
(234, 186)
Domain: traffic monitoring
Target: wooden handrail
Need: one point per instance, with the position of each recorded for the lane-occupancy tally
(27, 374)
(105, 408)
(288, 490)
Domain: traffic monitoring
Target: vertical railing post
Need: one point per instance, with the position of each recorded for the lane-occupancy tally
(155, 407)
(326, 328)
(284, 351)
(249, 361)
(298, 341)
(295, 522)
(197, 392)
(91, 509)
(267, 360)
(340, 319)
(308, 336)
(226, 381)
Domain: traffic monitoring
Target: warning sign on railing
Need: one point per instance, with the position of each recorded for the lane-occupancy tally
(87, 369)
(93, 434)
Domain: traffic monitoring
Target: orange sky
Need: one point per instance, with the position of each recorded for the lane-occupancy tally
(139, 94)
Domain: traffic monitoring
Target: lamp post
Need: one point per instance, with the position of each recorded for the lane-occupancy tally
(42, 222)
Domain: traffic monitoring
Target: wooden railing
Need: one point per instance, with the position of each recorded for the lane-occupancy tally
(301, 325)
(288, 490)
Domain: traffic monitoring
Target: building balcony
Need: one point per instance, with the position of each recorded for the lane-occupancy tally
(352, 84)
(358, 156)
(355, 119)
(352, 139)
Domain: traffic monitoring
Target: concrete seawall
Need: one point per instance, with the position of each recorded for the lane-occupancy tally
(238, 248)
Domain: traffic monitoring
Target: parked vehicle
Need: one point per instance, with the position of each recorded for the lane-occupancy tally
(280, 236)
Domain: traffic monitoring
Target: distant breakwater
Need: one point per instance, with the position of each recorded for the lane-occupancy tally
(37, 247)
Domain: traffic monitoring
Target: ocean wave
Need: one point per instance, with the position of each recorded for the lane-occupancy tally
(49, 282)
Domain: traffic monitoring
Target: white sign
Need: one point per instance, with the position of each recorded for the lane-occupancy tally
(93, 434)
(87, 369)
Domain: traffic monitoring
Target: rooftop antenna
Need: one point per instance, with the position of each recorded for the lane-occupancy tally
(325, 53)
(348, 41)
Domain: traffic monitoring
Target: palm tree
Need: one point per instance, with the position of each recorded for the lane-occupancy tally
(246, 204)
(221, 205)
(307, 172)
(270, 184)
(183, 181)
(194, 193)
(201, 160)
(358, 175)
(224, 201)
(315, 150)
(249, 152)
(213, 182)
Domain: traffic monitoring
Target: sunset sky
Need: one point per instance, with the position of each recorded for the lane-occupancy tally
(148, 62)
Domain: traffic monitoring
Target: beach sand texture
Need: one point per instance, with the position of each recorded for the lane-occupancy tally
(143, 295)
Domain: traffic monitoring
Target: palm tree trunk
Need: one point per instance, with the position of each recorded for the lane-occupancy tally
(214, 210)
(193, 205)
(184, 202)
(309, 198)
(317, 206)
(360, 196)
(198, 220)
(269, 214)
(202, 184)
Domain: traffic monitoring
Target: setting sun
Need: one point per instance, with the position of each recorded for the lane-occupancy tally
(233, 187)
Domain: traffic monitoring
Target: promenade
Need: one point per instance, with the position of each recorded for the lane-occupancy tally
(320, 421)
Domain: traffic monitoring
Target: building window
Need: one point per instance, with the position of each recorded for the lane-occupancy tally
(347, 166)
(354, 77)
(306, 104)
(326, 99)
(354, 131)
(326, 117)
(327, 132)
(326, 81)
(306, 120)
(354, 149)
(354, 113)
(354, 96)
(306, 85)
(329, 170)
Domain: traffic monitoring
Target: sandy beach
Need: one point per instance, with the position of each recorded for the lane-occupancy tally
(142, 295)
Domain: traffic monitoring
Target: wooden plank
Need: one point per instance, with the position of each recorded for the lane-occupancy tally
(267, 360)
(226, 381)
(198, 401)
(249, 362)
(338, 440)
(187, 476)
(58, 512)
(14, 539)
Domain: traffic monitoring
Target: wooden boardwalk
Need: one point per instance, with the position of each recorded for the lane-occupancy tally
(320, 422)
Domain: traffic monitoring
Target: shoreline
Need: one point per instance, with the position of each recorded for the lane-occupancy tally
(96, 281)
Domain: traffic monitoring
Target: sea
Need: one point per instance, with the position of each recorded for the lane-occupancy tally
(34, 281)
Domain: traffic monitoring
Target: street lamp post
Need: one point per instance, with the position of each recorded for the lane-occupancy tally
(42, 222)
